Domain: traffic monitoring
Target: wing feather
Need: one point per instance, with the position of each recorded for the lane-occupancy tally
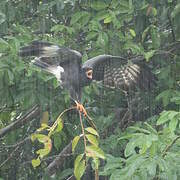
(59, 61)
(117, 72)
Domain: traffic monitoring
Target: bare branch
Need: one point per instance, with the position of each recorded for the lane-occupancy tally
(169, 146)
(33, 112)
(59, 161)
(10, 156)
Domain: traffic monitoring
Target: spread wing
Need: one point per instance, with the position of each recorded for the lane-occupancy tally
(62, 62)
(118, 72)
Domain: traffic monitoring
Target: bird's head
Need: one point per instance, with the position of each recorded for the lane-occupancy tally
(86, 76)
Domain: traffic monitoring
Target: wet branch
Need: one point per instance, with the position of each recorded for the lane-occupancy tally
(33, 112)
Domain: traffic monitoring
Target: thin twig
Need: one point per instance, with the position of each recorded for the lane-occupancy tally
(90, 121)
(58, 161)
(83, 132)
(10, 156)
(17, 144)
(96, 174)
(70, 177)
(61, 114)
(33, 112)
(169, 146)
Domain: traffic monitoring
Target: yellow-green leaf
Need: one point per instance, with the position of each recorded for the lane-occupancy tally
(149, 55)
(59, 125)
(107, 20)
(43, 126)
(92, 131)
(93, 151)
(40, 137)
(35, 162)
(43, 152)
(79, 166)
(133, 34)
(92, 139)
(74, 142)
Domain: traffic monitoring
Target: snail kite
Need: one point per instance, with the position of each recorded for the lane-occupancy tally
(66, 65)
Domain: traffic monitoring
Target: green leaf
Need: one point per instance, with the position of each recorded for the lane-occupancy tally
(64, 174)
(35, 162)
(99, 5)
(43, 152)
(58, 28)
(84, 19)
(40, 137)
(165, 96)
(153, 130)
(163, 117)
(172, 114)
(149, 55)
(74, 142)
(2, 17)
(107, 20)
(153, 149)
(176, 100)
(145, 32)
(154, 11)
(59, 125)
(102, 39)
(172, 124)
(57, 140)
(43, 126)
(10, 75)
(101, 15)
(77, 16)
(155, 37)
(133, 34)
(3, 45)
(96, 163)
(79, 166)
(166, 116)
(129, 150)
(136, 49)
(176, 11)
(139, 129)
(126, 136)
(91, 35)
(93, 151)
(92, 131)
(92, 139)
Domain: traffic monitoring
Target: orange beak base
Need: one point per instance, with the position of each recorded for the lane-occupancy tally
(89, 74)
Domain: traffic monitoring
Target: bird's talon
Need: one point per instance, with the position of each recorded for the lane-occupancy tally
(81, 108)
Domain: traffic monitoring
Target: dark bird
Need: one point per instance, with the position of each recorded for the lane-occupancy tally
(66, 65)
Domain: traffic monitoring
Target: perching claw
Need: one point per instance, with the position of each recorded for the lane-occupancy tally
(81, 108)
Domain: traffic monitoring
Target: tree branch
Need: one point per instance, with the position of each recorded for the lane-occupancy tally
(33, 112)
(59, 161)
(169, 146)
(10, 156)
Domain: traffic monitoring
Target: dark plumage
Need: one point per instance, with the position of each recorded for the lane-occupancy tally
(66, 65)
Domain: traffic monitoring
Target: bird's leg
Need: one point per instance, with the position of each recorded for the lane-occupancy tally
(81, 108)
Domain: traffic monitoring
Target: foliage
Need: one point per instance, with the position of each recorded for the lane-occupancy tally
(125, 27)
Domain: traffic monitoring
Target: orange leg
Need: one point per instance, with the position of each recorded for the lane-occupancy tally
(81, 108)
